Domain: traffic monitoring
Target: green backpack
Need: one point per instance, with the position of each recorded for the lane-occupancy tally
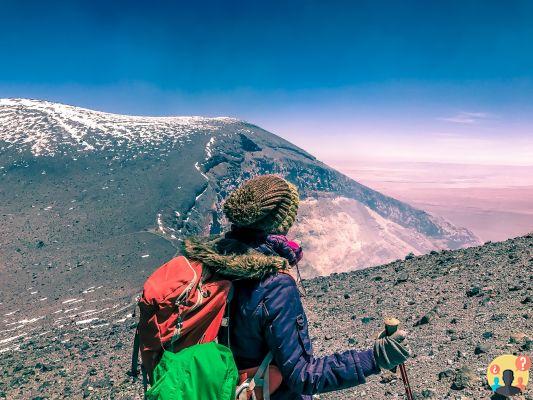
(204, 371)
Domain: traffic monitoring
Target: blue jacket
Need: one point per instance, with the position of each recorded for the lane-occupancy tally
(267, 315)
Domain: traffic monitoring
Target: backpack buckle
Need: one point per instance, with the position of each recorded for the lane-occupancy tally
(177, 331)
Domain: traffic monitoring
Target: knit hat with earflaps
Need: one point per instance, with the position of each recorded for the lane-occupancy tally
(267, 202)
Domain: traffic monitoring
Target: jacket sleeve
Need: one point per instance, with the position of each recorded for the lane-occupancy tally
(287, 337)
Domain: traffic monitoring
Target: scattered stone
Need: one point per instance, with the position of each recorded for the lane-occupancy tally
(367, 320)
(480, 349)
(447, 373)
(84, 346)
(18, 368)
(498, 317)
(428, 393)
(517, 337)
(473, 291)
(388, 377)
(464, 378)
(527, 344)
(428, 317)
(488, 290)
(44, 367)
(402, 277)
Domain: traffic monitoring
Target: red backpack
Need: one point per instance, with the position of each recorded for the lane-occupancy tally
(181, 305)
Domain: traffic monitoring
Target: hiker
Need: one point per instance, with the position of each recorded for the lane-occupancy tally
(267, 316)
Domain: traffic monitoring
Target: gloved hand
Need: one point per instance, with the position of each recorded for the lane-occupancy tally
(388, 350)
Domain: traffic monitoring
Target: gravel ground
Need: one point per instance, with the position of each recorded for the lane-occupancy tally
(462, 309)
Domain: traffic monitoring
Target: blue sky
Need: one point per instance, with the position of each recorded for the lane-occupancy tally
(448, 81)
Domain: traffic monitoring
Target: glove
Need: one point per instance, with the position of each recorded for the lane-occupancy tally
(388, 350)
(298, 252)
(281, 246)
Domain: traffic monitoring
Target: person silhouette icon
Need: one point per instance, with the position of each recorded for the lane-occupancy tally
(508, 389)
(496, 384)
(520, 384)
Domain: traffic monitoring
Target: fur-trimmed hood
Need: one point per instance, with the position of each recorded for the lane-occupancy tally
(232, 258)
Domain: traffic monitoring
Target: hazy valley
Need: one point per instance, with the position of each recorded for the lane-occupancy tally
(493, 201)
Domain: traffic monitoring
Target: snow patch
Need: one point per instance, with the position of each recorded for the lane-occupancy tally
(208, 153)
(12, 338)
(26, 321)
(86, 321)
(160, 225)
(47, 129)
(127, 316)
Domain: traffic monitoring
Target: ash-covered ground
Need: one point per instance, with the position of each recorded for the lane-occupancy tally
(462, 309)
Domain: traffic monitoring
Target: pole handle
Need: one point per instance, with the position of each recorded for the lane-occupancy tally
(391, 325)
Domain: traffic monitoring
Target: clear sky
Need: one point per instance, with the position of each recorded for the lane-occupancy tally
(446, 81)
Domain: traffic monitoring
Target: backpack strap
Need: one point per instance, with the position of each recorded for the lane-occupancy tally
(261, 377)
(227, 316)
(135, 354)
(135, 361)
(145, 379)
(224, 330)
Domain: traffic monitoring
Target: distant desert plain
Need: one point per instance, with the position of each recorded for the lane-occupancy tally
(495, 202)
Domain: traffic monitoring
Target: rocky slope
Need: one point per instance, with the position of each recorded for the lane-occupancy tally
(462, 308)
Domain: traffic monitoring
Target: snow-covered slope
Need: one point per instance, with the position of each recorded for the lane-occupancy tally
(28, 123)
(92, 202)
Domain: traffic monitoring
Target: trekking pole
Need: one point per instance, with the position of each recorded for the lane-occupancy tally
(391, 326)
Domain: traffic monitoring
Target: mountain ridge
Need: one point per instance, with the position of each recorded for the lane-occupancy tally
(177, 171)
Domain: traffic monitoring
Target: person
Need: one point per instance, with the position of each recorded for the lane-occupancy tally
(496, 384)
(266, 311)
(520, 385)
(508, 389)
